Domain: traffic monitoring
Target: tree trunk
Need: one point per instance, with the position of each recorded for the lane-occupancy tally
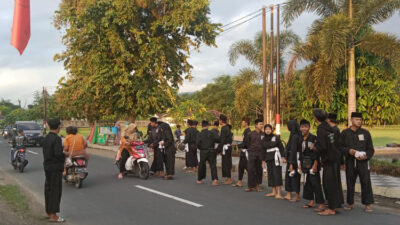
(351, 102)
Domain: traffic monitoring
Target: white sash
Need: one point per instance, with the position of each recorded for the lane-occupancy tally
(226, 147)
(245, 152)
(278, 157)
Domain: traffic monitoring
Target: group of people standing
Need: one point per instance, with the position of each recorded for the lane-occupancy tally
(305, 154)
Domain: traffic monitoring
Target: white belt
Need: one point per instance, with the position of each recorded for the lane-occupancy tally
(187, 147)
(226, 147)
(278, 157)
(247, 153)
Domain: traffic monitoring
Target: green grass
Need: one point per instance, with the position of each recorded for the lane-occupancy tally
(14, 198)
(377, 162)
(380, 135)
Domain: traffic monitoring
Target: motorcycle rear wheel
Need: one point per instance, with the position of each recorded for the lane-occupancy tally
(144, 170)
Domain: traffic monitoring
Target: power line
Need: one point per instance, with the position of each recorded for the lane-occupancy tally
(250, 14)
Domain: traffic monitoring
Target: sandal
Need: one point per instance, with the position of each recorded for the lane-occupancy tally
(59, 220)
(308, 206)
(326, 213)
(237, 185)
(349, 207)
(249, 189)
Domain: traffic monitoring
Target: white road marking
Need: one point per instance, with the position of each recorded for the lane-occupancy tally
(169, 196)
(35, 153)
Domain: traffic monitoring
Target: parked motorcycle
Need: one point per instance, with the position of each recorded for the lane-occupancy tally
(137, 164)
(19, 162)
(77, 171)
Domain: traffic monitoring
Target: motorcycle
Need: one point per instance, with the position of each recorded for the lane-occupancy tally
(77, 171)
(137, 164)
(19, 162)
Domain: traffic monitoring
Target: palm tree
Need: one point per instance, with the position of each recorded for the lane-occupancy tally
(333, 38)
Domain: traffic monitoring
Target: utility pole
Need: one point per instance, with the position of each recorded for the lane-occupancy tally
(271, 67)
(278, 74)
(44, 110)
(264, 68)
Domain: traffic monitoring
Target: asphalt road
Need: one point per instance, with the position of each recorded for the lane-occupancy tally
(106, 200)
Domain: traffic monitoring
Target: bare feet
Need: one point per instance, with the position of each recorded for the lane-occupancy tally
(238, 184)
(199, 182)
(278, 196)
(288, 197)
(249, 189)
(327, 212)
(215, 183)
(348, 207)
(258, 189)
(271, 195)
(120, 176)
(228, 181)
(368, 209)
(294, 200)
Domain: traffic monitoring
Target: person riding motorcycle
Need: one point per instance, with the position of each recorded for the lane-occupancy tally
(18, 141)
(125, 151)
(75, 144)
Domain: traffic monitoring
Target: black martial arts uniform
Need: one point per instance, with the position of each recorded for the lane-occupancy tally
(274, 151)
(243, 158)
(359, 140)
(157, 164)
(206, 141)
(256, 155)
(53, 164)
(327, 146)
(226, 140)
(293, 149)
(168, 150)
(190, 139)
(312, 187)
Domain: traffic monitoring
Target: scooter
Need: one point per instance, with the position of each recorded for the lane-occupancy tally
(137, 164)
(77, 172)
(19, 162)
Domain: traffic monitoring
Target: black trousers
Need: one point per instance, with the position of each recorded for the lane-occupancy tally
(361, 170)
(157, 164)
(124, 156)
(312, 188)
(242, 165)
(169, 160)
(210, 157)
(292, 184)
(333, 185)
(227, 163)
(254, 170)
(52, 191)
(191, 157)
(274, 174)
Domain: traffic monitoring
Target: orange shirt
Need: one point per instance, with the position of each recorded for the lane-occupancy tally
(125, 146)
(80, 142)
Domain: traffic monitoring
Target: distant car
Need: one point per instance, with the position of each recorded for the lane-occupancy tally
(32, 131)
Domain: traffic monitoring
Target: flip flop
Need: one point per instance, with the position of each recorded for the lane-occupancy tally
(348, 208)
(308, 206)
(237, 185)
(59, 220)
(326, 213)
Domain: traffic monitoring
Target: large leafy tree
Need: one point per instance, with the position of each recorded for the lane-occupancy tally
(128, 57)
(334, 37)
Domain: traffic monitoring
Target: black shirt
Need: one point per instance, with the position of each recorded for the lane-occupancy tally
(359, 140)
(53, 155)
(327, 143)
(206, 140)
(272, 141)
(245, 143)
(256, 143)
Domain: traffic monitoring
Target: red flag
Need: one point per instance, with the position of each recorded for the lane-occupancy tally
(21, 29)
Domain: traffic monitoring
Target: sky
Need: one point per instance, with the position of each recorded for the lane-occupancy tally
(21, 76)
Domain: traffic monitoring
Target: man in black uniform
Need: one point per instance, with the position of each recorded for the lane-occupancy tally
(256, 155)
(152, 131)
(206, 142)
(190, 146)
(332, 121)
(165, 143)
(53, 164)
(311, 165)
(358, 149)
(243, 153)
(327, 146)
(225, 148)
